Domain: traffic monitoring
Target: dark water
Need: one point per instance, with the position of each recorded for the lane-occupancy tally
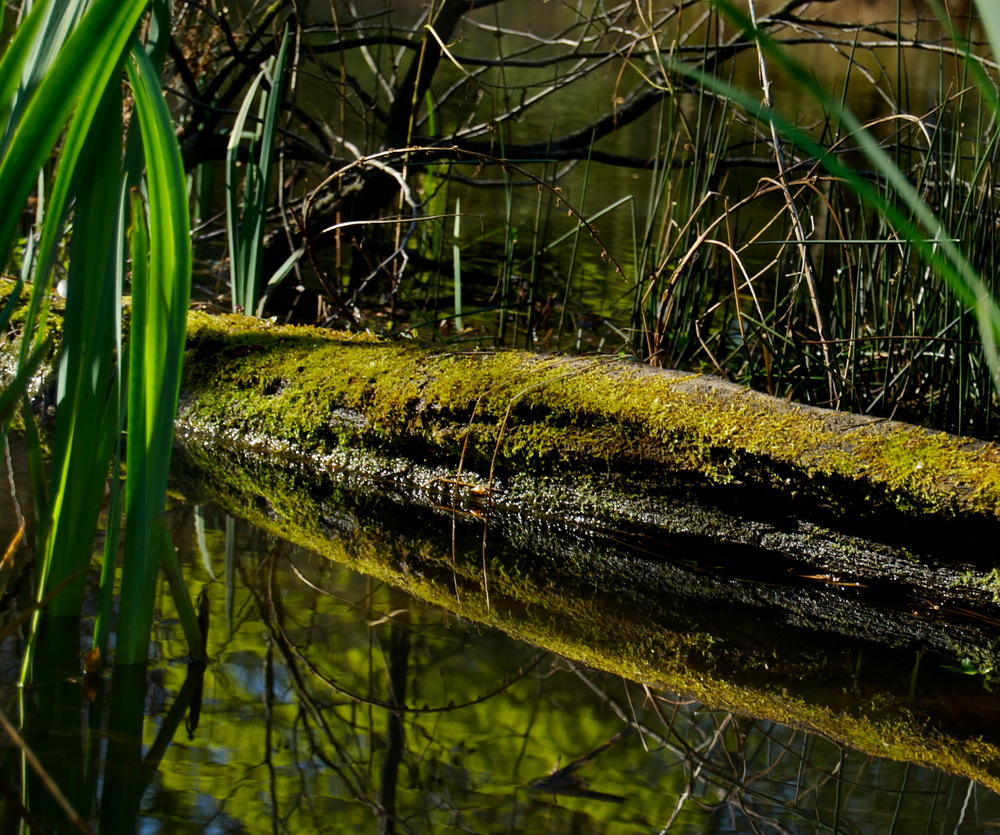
(299, 730)
(333, 701)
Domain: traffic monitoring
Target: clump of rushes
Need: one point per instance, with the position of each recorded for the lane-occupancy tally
(247, 207)
(61, 72)
(125, 204)
(877, 291)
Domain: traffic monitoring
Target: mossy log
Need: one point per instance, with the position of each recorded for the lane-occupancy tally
(488, 422)
(494, 414)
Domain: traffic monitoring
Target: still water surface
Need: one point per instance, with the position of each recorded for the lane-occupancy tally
(301, 729)
(334, 701)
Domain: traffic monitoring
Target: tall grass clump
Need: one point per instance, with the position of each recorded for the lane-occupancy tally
(247, 207)
(113, 213)
(861, 268)
(62, 69)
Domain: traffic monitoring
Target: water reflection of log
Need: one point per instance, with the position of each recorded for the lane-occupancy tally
(729, 625)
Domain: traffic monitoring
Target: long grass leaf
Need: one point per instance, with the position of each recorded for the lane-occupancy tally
(160, 299)
(83, 437)
(17, 56)
(276, 71)
(235, 207)
(36, 466)
(79, 75)
(279, 275)
(247, 213)
(989, 17)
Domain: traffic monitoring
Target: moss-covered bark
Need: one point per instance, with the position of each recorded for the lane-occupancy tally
(495, 413)
(502, 412)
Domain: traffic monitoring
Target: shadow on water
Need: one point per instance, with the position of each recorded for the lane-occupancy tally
(420, 667)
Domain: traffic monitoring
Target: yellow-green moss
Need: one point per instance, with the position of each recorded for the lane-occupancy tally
(512, 411)
(518, 411)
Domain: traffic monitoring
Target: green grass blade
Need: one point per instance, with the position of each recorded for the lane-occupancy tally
(276, 71)
(52, 102)
(156, 345)
(138, 566)
(235, 207)
(279, 275)
(18, 55)
(80, 73)
(456, 260)
(989, 17)
(247, 214)
(84, 436)
(36, 465)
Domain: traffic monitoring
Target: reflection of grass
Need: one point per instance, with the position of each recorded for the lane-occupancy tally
(968, 667)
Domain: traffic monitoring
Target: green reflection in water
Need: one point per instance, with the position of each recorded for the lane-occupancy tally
(300, 727)
(296, 728)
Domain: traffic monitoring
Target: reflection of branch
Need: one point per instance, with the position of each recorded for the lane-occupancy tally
(626, 716)
(271, 611)
(399, 661)
(566, 781)
(402, 708)
(397, 705)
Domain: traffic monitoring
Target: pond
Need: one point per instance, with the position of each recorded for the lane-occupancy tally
(410, 645)
(448, 687)
(298, 727)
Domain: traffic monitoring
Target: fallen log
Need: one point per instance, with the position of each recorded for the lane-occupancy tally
(489, 416)
(594, 438)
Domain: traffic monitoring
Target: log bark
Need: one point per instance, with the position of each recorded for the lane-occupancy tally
(492, 416)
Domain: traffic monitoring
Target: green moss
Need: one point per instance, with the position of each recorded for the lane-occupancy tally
(512, 411)
(54, 321)
(506, 412)
(990, 582)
